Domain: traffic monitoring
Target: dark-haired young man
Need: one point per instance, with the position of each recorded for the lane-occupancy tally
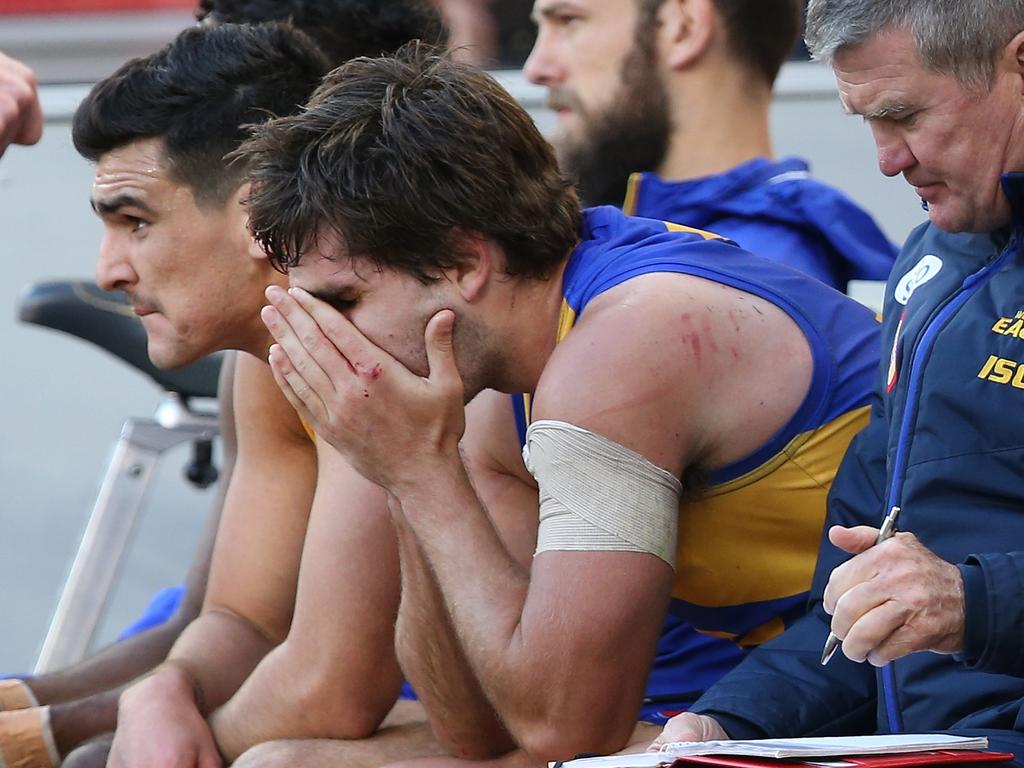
(677, 93)
(930, 620)
(437, 252)
(176, 242)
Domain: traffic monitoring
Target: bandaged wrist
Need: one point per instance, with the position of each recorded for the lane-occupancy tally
(596, 495)
(26, 739)
(15, 694)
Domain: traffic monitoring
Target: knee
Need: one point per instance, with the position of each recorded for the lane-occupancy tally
(91, 755)
(269, 754)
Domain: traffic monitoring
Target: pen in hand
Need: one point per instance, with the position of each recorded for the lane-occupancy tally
(885, 532)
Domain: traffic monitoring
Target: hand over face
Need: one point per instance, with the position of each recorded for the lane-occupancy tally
(159, 726)
(21, 117)
(893, 599)
(389, 423)
(689, 727)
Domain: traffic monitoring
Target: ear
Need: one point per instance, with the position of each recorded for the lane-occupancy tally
(687, 28)
(1013, 56)
(239, 217)
(472, 274)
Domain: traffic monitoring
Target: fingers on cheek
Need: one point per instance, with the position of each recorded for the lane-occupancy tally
(279, 361)
(271, 318)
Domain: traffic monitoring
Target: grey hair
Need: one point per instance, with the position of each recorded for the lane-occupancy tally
(962, 38)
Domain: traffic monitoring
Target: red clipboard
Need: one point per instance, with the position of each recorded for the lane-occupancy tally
(904, 760)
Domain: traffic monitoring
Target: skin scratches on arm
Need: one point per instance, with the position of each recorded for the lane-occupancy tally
(679, 369)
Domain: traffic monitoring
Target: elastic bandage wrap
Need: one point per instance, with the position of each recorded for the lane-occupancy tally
(26, 739)
(596, 495)
(14, 694)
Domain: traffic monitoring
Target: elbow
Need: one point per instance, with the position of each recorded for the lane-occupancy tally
(565, 733)
(337, 701)
(551, 743)
(347, 713)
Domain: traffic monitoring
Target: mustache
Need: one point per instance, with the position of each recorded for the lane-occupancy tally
(563, 98)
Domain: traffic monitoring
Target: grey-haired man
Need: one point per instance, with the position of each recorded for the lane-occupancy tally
(938, 608)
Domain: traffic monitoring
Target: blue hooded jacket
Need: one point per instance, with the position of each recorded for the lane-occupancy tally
(776, 210)
(943, 445)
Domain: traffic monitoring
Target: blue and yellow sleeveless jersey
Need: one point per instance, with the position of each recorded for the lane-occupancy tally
(748, 544)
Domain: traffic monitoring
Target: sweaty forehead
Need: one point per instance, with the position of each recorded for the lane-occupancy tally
(139, 167)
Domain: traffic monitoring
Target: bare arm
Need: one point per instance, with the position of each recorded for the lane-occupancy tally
(559, 686)
(462, 719)
(336, 675)
(562, 651)
(251, 593)
(250, 598)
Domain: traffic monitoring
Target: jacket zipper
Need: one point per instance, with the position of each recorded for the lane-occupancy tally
(971, 284)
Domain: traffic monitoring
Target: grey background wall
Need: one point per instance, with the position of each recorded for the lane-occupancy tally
(62, 402)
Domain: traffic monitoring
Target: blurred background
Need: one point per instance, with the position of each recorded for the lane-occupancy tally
(62, 402)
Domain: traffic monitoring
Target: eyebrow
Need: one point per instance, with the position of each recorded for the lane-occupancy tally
(552, 10)
(116, 203)
(891, 109)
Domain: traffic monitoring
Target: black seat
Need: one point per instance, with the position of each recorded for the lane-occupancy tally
(106, 319)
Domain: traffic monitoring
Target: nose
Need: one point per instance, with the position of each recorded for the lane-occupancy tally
(894, 154)
(113, 270)
(542, 67)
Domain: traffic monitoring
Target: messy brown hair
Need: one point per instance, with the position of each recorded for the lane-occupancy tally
(397, 156)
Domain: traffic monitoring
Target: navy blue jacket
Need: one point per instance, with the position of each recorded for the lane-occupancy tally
(944, 444)
(776, 210)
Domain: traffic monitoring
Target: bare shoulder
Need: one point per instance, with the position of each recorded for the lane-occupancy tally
(260, 409)
(681, 369)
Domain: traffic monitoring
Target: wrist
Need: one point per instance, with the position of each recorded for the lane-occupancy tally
(433, 477)
(171, 681)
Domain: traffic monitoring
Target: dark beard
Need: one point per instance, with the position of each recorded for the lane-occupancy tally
(632, 135)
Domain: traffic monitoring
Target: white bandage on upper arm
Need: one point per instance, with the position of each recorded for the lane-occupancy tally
(596, 495)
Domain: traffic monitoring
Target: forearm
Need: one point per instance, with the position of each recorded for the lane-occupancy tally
(113, 667)
(75, 722)
(269, 705)
(295, 694)
(217, 652)
(336, 674)
(544, 675)
(461, 717)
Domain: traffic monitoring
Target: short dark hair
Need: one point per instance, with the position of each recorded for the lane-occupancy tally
(761, 33)
(198, 95)
(343, 29)
(395, 156)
